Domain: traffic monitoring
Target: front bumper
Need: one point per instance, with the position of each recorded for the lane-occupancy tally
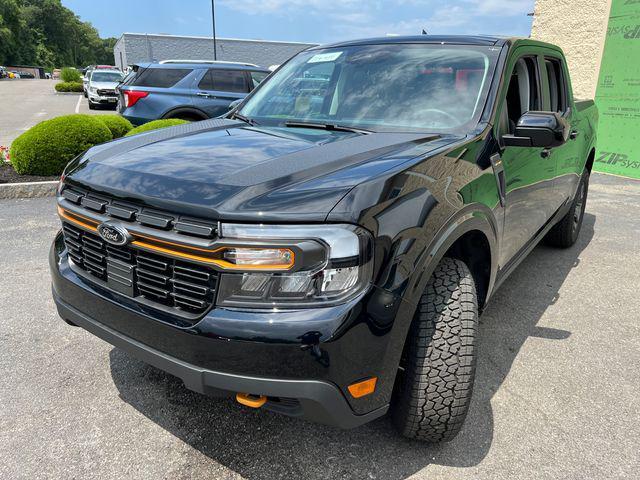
(103, 100)
(303, 365)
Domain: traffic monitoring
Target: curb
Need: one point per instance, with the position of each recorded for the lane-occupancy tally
(68, 93)
(28, 189)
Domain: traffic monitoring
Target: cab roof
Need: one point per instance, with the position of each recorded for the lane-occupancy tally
(434, 39)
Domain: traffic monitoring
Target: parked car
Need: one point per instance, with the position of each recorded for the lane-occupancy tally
(3, 72)
(86, 74)
(191, 91)
(14, 74)
(101, 87)
(23, 74)
(325, 251)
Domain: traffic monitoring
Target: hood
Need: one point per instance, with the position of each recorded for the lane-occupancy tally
(104, 85)
(225, 169)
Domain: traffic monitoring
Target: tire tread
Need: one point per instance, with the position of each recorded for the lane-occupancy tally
(437, 384)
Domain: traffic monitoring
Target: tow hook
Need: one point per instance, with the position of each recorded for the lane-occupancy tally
(249, 400)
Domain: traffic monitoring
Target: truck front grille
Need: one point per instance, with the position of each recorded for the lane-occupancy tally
(161, 280)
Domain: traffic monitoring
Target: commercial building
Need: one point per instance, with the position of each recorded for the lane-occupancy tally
(601, 39)
(141, 47)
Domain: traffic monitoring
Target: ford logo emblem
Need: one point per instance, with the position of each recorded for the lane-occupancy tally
(114, 233)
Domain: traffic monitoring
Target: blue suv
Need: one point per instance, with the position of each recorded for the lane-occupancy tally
(188, 90)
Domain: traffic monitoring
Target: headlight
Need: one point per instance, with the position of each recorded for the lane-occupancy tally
(325, 265)
(93, 90)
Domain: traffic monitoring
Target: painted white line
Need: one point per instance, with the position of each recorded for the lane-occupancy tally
(78, 104)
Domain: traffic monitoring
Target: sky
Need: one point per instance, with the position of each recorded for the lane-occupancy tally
(314, 21)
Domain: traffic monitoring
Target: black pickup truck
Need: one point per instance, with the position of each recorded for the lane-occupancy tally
(325, 250)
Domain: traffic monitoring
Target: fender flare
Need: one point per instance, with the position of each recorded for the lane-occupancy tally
(474, 217)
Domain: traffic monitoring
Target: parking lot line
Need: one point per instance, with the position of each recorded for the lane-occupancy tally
(78, 104)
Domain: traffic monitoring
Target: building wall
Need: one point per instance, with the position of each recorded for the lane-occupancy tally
(135, 48)
(579, 27)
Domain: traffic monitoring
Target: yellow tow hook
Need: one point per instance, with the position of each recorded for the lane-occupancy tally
(253, 401)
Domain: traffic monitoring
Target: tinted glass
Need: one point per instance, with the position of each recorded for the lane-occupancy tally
(206, 83)
(257, 78)
(522, 95)
(161, 77)
(228, 80)
(379, 87)
(557, 93)
(98, 76)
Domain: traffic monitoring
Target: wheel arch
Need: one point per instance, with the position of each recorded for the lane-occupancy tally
(472, 237)
(194, 112)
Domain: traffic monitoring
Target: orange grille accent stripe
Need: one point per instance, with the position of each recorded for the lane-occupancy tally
(91, 225)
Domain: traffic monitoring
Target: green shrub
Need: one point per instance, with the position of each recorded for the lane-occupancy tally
(169, 122)
(70, 74)
(69, 87)
(46, 148)
(118, 125)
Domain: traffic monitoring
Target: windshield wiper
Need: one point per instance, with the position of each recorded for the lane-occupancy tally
(244, 119)
(327, 126)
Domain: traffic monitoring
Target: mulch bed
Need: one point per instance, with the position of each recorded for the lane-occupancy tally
(9, 175)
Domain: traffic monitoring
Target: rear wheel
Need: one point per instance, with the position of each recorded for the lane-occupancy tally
(433, 393)
(565, 233)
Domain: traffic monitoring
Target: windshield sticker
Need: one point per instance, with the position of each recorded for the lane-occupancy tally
(324, 57)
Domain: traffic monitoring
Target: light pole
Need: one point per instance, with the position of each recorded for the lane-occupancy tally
(213, 21)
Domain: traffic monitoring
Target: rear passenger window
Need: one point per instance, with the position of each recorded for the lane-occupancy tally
(224, 81)
(557, 85)
(161, 77)
(257, 78)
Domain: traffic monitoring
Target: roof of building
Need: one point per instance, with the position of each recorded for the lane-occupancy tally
(217, 38)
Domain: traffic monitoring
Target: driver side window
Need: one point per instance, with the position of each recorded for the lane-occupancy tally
(523, 94)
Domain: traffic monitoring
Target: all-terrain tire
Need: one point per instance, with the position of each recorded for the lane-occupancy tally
(565, 233)
(434, 390)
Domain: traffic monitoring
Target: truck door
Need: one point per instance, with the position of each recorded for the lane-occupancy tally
(218, 88)
(529, 171)
(557, 98)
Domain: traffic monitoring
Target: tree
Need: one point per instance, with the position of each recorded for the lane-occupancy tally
(45, 33)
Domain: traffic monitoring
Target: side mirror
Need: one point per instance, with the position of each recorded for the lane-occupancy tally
(233, 105)
(539, 129)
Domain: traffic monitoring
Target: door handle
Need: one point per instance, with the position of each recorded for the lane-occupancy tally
(574, 134)
(202, 94)
(545, 153)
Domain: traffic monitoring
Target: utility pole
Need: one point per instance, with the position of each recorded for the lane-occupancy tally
(213, 21)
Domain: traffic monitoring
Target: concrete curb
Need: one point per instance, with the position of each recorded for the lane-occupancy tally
(28, 189)
(68, 93)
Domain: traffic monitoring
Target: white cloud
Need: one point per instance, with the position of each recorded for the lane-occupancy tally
(357, 18)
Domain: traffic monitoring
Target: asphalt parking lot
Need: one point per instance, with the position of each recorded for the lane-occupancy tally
(27, 102)
(556, 394)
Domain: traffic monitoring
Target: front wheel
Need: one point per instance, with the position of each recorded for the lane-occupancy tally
(565, 233)
(433, 392)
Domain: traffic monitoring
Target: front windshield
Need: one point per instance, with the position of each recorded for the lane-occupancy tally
(106, 76)
(389, 87)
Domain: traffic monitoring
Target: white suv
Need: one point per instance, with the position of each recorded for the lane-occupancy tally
(101, 88)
